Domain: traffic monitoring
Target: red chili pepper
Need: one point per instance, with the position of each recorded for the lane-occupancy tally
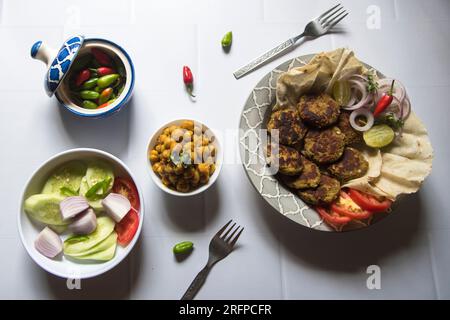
(82, 76)
(103, 71)
(101, 57)
(105, 104)
(188, 80)
(385, 101)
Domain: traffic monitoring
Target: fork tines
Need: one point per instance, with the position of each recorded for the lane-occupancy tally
(330, 18)
(233, 237)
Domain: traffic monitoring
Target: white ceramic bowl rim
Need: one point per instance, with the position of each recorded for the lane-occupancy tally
(213, 178)
(103, 267)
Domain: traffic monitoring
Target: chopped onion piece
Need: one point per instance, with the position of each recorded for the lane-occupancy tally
(361, 113)
(72, 206)
(84, 223)
(116, 205)
(48, 243)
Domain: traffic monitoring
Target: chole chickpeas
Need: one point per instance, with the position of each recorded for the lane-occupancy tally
(184, 156)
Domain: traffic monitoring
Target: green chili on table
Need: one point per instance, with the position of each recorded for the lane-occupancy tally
(183, 247)
(227, 39)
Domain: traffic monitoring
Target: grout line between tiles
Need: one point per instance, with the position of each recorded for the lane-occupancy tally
(396, 10)
(1, 11)
(433, 266)
(283, 288)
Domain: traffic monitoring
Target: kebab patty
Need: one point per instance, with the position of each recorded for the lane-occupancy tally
(318, 111)
(324, 146)
(288, 122)
(352, 165)
(289, 161)
(351, 136)
(327, 191)
(309, 178)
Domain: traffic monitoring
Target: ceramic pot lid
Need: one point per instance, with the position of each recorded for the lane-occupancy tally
(58, 63)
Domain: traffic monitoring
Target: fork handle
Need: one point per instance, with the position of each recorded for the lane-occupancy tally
(263, 58)
(196, 284)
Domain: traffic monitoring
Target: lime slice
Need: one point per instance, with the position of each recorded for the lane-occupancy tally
(379, 136)
(342, 92)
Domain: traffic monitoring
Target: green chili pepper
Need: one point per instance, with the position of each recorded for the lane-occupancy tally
(89, 104)
(183, 247)
(98, 89)
(105, 81)
(227, 40)
(92, 194)
(65, 191)
(89, 95)
(105, 95)
(91, 83)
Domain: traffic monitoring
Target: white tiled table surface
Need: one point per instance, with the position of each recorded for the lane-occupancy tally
(276, 259)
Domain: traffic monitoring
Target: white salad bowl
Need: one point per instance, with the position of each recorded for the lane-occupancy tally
(156, 179)
(29, 229)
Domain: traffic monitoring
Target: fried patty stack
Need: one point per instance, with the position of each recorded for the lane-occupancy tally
(314, 155)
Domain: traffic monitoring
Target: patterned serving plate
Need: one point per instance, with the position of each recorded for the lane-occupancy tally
(253, 119)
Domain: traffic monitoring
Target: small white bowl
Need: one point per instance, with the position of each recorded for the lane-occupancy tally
(156, 179)
(29, 229)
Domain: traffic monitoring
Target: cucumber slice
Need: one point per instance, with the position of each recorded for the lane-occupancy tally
(104, 255)
(342, 92)
(45, 208)
(111, 240)
(79, 244)
(58, 229)
(99, 171)
(379, 136)
(67, 176)
(95, 204)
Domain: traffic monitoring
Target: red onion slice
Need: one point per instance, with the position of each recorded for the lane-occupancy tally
(117, 206)
(364, 113)
(48, 243)
(84, 223)
(72, 206)
(365, 97)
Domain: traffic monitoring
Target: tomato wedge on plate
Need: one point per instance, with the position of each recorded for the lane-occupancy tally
(345, 206)
(127, 227)
(332, 217)
(127, 188)
(369, 202)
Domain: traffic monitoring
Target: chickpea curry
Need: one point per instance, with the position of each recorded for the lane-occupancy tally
(184, 156)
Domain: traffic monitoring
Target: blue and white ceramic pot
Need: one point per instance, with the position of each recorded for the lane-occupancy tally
(63, 62)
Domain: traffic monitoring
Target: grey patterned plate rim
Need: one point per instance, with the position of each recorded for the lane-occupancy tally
(253, 118)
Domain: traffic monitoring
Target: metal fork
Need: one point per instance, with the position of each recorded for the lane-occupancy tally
(315, 28)
(220, 246)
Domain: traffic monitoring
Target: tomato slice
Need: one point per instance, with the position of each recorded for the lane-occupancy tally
(345, 206)
(369, 202)
(332, 217)
(127, 227)
(127, 188)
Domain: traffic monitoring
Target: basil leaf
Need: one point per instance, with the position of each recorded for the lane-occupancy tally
(92, 193)
(65, 191)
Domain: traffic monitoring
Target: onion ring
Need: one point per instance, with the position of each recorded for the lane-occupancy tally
(365, 113)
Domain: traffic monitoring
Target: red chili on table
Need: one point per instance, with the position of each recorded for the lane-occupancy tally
(385, 101)
(82, 76)
(188, 80)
